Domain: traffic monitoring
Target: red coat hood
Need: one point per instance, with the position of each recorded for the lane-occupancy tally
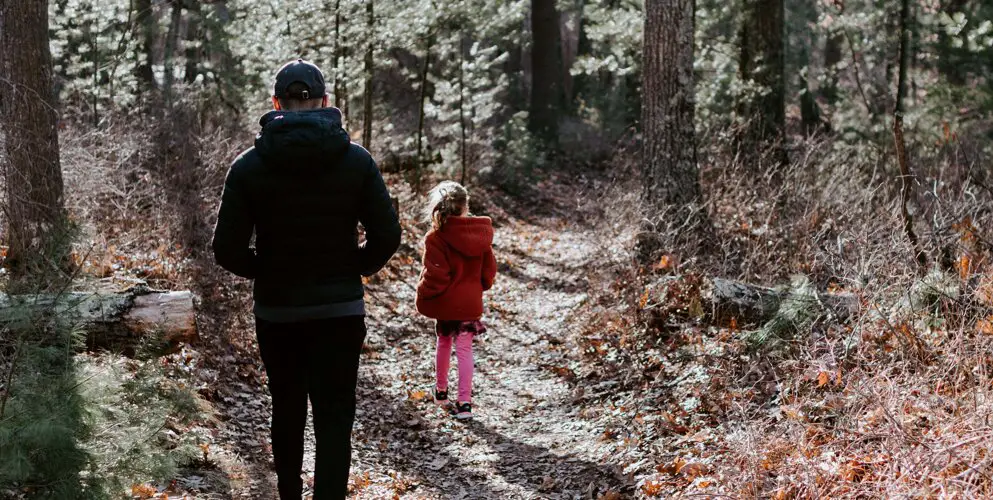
(470, 236)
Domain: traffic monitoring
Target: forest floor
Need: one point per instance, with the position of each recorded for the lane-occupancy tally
(534, 435)
(588, 384)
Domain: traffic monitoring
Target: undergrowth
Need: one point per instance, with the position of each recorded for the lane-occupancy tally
(891, 402)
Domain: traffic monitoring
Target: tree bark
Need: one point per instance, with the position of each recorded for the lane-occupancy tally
(369, 73)
(194, 36)
(669, 167)
(145, 23)
(907, 179)
(169, 56)
(832, 57)
(118, 321)
(762, 61)
(546, 70)
(462, 128)
(570, 52)
(810, 110)
(336, 58)
(227, 71)
(37, 228)
(582, 83)
(425, 67)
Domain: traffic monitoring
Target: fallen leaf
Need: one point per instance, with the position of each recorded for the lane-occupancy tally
(985, 326)
(672, 468)
(547, 484)
(652, 488)
(664, 264)
(694, 470)
(438, 463)
(143, 490)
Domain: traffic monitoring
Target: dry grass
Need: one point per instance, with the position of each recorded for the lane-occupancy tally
(144, 192)
(894, 403)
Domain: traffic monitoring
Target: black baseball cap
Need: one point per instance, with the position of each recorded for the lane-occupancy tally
(299, 71)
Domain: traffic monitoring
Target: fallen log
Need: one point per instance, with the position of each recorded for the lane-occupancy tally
(750, 303)
(725, 302)
(119, 321)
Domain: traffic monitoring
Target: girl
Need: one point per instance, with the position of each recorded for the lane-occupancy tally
(458, 267)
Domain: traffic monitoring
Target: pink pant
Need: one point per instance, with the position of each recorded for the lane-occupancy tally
(463, 351)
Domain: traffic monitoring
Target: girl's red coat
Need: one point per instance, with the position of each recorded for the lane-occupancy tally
(458, 267)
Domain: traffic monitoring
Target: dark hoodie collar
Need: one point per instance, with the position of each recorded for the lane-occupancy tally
(301, 139)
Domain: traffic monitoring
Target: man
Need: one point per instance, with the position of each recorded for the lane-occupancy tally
(303, 189)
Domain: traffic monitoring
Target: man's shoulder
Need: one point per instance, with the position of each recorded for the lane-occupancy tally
(359, 156)
(248, 159)
(245, 166)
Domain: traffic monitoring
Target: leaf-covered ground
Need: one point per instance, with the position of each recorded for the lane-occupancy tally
(534, 435)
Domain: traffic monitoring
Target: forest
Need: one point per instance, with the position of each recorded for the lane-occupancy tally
(744, 248)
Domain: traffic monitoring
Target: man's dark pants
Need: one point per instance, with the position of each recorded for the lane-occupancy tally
(319, 359)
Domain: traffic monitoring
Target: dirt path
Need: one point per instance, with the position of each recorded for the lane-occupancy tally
(529, 438)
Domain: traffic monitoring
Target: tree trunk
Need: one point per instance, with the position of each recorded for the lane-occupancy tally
(95, 92)
(582, 83)
(907, 179)
(420, 113)
(832, 57)
(118, 321)
(763, 63)
(37, 228)
(462, 144)
(569, 26)
(336, 58)
(194, 37)
(810, 110)
(369, 73)
(169, 56)
(227, 73)
(145, 23)
(546, 69)
(669, 167)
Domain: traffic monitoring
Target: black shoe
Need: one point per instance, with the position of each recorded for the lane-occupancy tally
(463, 411)
(441, 397)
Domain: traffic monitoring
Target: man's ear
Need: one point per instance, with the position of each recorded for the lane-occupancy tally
(326, 101)
(275, 103)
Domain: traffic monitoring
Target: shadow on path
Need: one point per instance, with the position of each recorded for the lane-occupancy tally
(534, 469)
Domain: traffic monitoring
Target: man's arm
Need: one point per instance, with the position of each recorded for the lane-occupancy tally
(234, 228)
(381, 223)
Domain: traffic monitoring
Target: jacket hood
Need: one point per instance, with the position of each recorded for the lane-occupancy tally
(470, 236)
(301, 138)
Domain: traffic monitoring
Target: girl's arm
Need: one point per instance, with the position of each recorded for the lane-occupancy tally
(489, 269)
(436, 275)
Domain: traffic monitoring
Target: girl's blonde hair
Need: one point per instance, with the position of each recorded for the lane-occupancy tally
(446, 199)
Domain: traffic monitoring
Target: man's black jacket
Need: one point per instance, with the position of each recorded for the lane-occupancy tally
(303, 189)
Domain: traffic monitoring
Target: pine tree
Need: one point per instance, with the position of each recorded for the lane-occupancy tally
(37, 224)
(669, 168)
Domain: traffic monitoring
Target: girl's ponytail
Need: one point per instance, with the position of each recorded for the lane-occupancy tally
(446, 199)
